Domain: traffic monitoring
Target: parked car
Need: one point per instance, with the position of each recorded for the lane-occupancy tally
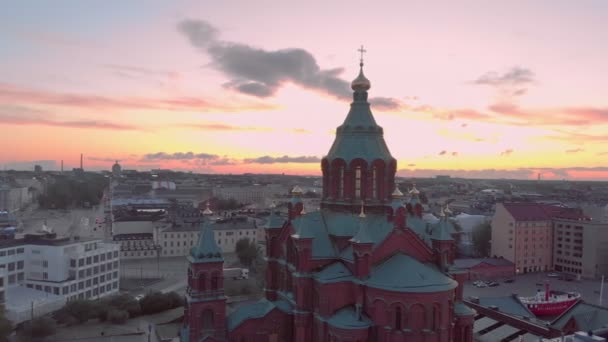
(493, 284)
(139, 297)
(553, 275)
(510, 280)
(480, 283)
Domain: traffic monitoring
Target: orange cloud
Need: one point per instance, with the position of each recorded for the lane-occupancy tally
(16, 95)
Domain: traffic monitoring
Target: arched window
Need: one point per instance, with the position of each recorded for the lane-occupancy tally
(214, 281)
(374, 182)
(358, 182)
(435, 318)
(340, 182)
(207, 318)
(398, 318)
(202, 282)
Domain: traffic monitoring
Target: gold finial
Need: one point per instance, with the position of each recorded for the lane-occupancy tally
(447, 210)
(362, 214)
(397, 193)
(273, 205)
(441, 213)
(362, 51)
(414, 191)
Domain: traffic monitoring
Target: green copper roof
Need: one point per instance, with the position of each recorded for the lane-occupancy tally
(460, 309)
(403, 273)
(362, 235)
(312, 226)
(347, 318)
(334, 273)
(507, 304)
(274, 221)
(442, 230)
(251, 311)
(359, 136)
(587, 317)
(347, 254)
(206, 250)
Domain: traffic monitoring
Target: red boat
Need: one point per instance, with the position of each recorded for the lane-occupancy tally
(550, 303)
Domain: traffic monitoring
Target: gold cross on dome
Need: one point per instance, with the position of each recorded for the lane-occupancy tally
(362, 51)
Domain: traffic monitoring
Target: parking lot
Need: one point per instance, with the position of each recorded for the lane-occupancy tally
(527, 284)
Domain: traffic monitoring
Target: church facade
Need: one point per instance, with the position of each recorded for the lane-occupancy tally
(365, 267)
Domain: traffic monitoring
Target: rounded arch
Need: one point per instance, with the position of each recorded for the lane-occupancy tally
(338, 177)
(325, 172)
(207, 319)
(417, 317)
(435, 317)
(398, 316)
(215, 280)
(358, 171)
(202, 281)
(377, 186)
(380, 311)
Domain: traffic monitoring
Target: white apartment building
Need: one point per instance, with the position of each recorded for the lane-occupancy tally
(178, 241)
(63, 268)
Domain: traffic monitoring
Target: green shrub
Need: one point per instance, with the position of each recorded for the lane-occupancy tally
(118, 316)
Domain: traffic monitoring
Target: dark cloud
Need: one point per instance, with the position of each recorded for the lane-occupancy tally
(515, 76)
(385, 103)
(506, 153)
(575, 150)
(283, 159)
(261, 73)
(447, 153)
(180, 156)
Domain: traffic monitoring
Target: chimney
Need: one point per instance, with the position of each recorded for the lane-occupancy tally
(62, 166)
(81, 162)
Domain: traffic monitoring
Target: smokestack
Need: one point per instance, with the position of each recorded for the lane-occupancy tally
(81, 162)
(62, 166)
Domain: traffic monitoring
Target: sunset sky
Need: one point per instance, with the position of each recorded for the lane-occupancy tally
(467, 88)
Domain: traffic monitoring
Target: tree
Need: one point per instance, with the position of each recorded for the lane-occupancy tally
(482, 236)
(6, 327)
(157, 302)
(118, 316)
(82, 310)
(247, 251)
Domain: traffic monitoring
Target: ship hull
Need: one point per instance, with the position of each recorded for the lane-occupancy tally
(551, 309)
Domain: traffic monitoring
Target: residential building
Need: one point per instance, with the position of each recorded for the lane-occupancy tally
(581, 247)
(178, 240)
(522, 234)
(65, 268)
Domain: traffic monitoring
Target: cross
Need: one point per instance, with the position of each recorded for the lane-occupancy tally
(362, 51)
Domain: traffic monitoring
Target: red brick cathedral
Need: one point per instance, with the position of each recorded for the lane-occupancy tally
(365, 267)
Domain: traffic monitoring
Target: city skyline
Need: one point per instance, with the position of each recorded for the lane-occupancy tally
(475, 90)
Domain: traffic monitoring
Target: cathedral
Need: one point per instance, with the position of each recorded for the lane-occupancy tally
(365, 267)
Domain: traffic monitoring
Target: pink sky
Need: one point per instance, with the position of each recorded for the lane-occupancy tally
(472, 88)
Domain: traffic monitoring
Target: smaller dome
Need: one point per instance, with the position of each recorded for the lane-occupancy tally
(397, 193)
(361, 83)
